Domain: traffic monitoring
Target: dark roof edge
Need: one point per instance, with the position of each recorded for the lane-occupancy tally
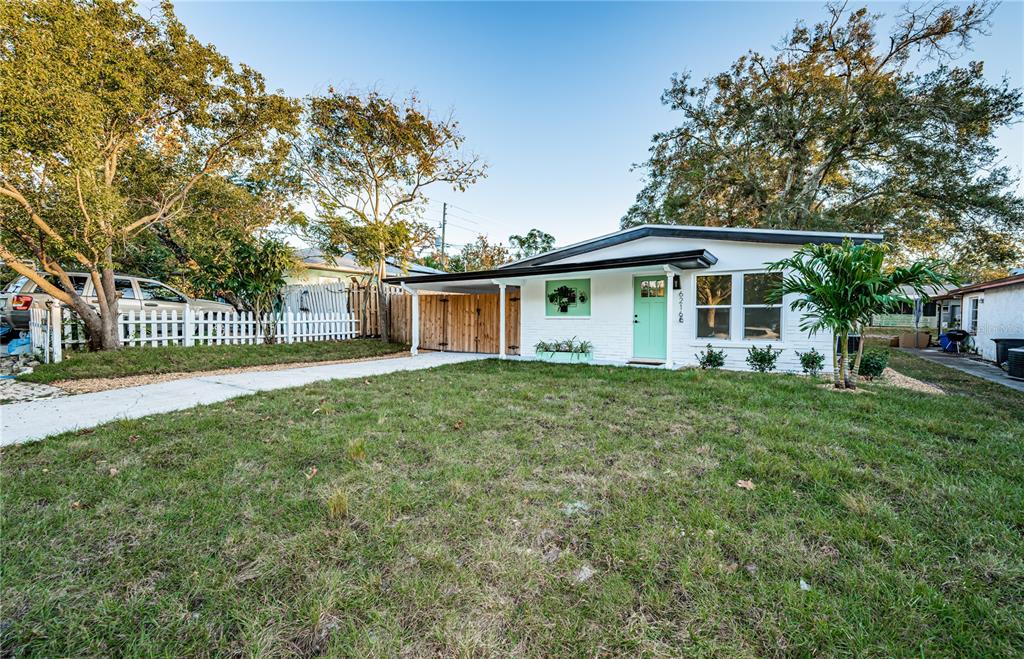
(706, 233)
(690, 259)
(1012, 280)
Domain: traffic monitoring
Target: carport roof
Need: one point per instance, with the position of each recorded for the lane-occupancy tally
(687, 260)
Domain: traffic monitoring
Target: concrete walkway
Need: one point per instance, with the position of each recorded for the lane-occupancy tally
(979, 369)
(23, 422)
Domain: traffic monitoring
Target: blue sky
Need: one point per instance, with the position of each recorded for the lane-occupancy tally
(559, 98)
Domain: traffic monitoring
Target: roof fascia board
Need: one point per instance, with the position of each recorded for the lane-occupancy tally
(670, 231)
(690, 259)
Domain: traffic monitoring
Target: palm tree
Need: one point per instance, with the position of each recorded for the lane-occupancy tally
(842, 286)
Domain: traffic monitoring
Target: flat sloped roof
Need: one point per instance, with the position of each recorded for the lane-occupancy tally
(776, 236)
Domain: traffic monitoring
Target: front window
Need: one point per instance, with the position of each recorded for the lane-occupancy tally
(762, 316)
(714, 297)
(975, 302)
(567, 298)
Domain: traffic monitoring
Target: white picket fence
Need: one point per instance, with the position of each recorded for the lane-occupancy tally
(167, 328)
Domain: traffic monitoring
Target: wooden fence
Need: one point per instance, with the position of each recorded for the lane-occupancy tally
(448, 322)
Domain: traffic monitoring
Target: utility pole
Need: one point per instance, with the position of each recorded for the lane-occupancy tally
(444, 225)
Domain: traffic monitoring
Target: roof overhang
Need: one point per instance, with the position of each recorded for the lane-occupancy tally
(1014, 280)
(742, 234)
(487, 280)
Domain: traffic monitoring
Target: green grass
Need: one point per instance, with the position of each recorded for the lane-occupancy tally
(448, 512)
(174, 359)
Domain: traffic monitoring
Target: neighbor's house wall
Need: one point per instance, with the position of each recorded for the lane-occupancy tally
(1000, 316)
(610, 325)
(319, 276)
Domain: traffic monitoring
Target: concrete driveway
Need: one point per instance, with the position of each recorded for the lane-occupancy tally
(23, 422)
(983, 370)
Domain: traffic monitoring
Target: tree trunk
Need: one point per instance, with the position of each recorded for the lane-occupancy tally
(104, 334)
(383, 312)
(835, 365)
(847, 382)
(100, 328)
(860, 350)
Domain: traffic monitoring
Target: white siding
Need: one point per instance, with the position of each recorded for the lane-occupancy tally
(610, 325)
(1000, 316)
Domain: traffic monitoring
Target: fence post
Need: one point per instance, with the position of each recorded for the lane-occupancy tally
(56, 332)
(186, 325)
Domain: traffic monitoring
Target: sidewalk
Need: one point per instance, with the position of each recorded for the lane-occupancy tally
(979, 369)
(23, 422)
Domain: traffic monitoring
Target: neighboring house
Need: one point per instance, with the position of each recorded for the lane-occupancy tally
(920, 312)
(316, 268)
(988, 310)
(651, 294)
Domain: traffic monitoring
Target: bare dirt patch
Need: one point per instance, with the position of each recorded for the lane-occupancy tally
(90, 385)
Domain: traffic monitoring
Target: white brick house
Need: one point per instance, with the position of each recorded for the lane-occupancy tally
(653, 294)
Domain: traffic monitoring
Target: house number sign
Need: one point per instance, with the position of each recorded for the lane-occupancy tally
(680, 306)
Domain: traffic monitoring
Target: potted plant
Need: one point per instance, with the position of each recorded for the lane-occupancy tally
(566, 351)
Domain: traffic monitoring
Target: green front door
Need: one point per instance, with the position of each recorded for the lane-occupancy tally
(650, 314)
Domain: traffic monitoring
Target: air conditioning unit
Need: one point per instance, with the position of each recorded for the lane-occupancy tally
(1015, 363)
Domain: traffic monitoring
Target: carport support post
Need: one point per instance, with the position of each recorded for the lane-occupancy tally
(415, 322)
(669, 276)
(501, 323)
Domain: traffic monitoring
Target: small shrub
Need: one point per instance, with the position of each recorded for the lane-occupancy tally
(763, 359)
(710, 358)
(356, 450)
(873, 363)
(337, 504)
(811, 362)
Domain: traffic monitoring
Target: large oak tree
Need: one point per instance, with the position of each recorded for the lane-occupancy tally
(842, 129)
(108, 121)
(368, 161)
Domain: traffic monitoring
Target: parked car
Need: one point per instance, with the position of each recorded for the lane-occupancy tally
(137, 294)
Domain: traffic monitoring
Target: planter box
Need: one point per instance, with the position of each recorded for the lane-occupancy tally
(566, 357)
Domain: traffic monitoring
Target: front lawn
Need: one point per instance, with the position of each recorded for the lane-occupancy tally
(179, 359)
(526, 509)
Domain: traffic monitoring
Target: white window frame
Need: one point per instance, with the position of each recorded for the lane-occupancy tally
(973, 312)
(730, 307)
(744, 306)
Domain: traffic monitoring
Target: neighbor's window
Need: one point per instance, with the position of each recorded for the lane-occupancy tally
(762, 319)
(567, 297)
(714, 297)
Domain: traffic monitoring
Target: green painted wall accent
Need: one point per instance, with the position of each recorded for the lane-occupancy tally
(567, 297)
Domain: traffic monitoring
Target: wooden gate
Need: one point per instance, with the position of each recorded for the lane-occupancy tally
(469, 323)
